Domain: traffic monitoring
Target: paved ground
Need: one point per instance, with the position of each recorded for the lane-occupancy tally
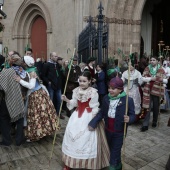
(144, 150)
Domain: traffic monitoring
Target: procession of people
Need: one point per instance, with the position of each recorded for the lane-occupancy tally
(100, 102)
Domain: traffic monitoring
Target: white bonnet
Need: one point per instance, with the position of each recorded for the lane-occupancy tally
(165, 63)
(29, 61)
(38, 59)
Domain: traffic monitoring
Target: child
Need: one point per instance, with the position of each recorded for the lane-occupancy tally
(153, 77)
(134, 87)
(113, 112)
(101, 82)
(82, 148)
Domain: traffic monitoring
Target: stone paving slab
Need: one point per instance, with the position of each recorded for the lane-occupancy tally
(148, 150)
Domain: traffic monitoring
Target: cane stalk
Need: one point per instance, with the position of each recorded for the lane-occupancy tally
(126, 111)
(57, 124)
(6, 55)
(159, 113)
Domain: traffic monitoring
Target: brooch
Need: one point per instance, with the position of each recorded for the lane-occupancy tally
(120, 102)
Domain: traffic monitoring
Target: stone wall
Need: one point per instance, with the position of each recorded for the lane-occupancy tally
(64, 20)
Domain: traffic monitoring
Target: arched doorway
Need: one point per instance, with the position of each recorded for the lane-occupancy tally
(155, 26)
(161, 25)
(39, 38)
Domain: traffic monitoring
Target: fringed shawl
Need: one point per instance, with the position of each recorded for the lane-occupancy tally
(157, 88)
(13, 96)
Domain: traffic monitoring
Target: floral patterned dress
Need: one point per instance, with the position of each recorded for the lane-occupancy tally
(41, 114)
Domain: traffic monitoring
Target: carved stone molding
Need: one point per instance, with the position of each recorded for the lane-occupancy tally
(114, 20)
(20, 37)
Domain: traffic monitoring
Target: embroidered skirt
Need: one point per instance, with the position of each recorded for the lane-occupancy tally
(102, 159)
(41, 117)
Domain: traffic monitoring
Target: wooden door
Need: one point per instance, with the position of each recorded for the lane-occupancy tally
(39, 38)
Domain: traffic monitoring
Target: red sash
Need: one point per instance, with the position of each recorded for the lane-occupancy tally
(82, 106)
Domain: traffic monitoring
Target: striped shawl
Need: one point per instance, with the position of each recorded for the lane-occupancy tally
(157, 88)
(13, 95)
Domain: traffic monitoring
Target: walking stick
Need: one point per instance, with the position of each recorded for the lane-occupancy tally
(6, 53)
(126, 111)
(57, 124)
(159, 113)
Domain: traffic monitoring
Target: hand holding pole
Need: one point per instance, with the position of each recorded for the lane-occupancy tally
(127, 95)
(57, 124)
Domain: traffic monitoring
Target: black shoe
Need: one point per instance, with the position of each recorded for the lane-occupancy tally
(62, 117)
(4, 144)
(144, 128)
(154, 124)
(68, 114)
(21, 142)
(13, 131)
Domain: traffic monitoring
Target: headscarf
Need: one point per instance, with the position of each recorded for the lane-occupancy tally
(116, 83)
(16, 60)
(29, 61)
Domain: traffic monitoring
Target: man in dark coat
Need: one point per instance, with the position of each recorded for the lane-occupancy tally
(51, 76)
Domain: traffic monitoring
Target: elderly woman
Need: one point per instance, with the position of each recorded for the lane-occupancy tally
(41, 114)
(12, 104)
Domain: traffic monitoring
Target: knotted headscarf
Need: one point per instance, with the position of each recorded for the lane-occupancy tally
(116, 83)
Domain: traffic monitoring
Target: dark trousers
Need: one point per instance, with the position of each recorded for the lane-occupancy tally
(55, 96)
(168, 164)
(115, 142)
(101, 99)
(156, 102)
(5, 126)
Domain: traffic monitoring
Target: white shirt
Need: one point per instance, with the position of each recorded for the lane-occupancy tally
(112, 108)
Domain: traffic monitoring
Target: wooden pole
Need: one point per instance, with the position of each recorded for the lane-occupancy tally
(6, 55)
(126, 111)
(57, 124)
(159, 113)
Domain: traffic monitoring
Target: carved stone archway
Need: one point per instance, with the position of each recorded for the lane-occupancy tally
(25, 17)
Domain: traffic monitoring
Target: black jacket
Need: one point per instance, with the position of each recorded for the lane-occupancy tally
(75, 72)
(52, 73)
(119, 115)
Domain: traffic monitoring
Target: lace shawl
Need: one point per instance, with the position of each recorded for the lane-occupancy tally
(83, 96)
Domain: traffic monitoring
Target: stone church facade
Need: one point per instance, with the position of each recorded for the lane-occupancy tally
(63, 20)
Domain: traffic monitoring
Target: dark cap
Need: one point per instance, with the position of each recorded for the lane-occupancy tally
(116, 83)
(75, 58)
(59, 58)
(91, 59)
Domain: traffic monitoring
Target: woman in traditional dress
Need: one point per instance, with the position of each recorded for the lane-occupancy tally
(166, 102)
(135, 82)
(82, 148)
(41, 116)
(12, 101)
